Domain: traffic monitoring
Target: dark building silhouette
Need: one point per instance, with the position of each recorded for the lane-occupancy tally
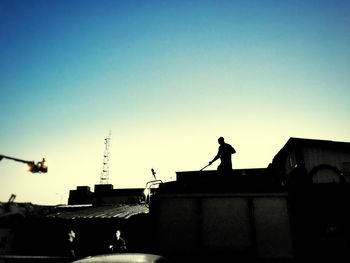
(105, 194)
(296, 208)
(312, 161)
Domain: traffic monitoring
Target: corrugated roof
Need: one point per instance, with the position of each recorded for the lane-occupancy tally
(114, 211)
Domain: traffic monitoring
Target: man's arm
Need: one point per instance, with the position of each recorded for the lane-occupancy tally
(215, 158)
(233, 150)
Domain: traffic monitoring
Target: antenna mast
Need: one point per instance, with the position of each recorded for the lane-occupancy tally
(105, 167)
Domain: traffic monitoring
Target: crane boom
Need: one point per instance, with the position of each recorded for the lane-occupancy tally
(38, 167)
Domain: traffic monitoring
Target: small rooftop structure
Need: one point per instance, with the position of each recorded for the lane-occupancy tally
(105, 194)
(312, 161)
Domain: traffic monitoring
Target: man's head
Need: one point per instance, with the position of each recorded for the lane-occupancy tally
(221, 140)
(117, 233)
(71, 234)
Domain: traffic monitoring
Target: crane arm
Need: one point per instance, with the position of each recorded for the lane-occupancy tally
(14, 159)
(33, 167)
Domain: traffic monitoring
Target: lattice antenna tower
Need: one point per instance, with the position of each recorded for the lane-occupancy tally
(104, 178)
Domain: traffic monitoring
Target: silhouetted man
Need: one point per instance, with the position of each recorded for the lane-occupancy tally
(224, 153)
(71, 244)
(118, 245)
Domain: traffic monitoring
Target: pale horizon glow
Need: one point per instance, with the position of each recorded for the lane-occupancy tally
(167, 78)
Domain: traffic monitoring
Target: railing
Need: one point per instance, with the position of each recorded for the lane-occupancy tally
(148, 190)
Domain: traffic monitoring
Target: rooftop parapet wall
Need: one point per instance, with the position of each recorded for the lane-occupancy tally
(241, 180)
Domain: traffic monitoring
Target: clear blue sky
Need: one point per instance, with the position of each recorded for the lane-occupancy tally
(167, 78)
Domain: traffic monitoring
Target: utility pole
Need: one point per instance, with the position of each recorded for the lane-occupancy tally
(104, 177)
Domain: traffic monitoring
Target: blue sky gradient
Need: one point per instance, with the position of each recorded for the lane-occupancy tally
(167, 78)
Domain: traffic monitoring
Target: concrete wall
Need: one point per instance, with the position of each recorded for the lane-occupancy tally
(241, 225)
(315, 156)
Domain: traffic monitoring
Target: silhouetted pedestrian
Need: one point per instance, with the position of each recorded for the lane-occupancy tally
(118, 244)
(71, 244)
(224, 153)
